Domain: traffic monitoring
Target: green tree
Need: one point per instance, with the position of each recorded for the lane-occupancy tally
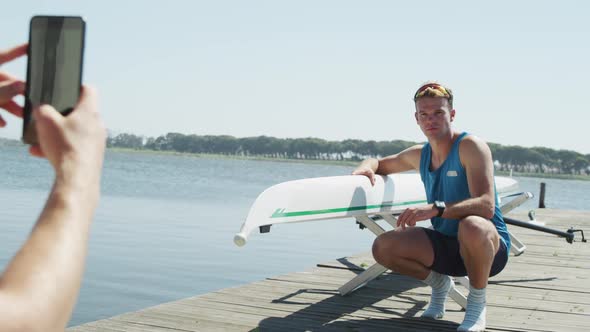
(129, 141)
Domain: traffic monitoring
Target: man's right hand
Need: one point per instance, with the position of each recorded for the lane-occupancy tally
(74, 145)
(366, 171)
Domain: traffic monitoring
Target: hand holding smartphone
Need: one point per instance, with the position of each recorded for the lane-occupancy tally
(54, 67)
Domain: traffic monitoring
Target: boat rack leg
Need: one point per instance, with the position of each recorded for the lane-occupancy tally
(517, 201)
(372, 272)
(370, 224)
(377, 269)
(360, 280)
(517, 247)
(456, 295)
(391, 219)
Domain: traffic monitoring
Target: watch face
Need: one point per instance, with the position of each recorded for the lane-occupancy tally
(441, 207)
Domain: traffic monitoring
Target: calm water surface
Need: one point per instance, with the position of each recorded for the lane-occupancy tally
(165, 224)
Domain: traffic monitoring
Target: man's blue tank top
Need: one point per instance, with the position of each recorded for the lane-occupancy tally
(449, 184)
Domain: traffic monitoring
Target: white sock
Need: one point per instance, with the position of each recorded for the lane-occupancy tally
(441, 284)
(475, 314)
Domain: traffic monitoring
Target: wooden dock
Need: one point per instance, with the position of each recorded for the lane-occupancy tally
(545, 289)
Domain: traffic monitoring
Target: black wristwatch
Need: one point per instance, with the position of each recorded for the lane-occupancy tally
(440, 206)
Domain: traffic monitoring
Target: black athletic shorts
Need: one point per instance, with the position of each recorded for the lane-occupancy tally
(448, 260)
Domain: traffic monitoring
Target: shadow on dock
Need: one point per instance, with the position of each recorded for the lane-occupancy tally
(391, 296)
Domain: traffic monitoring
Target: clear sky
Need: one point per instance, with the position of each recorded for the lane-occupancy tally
(520, 70)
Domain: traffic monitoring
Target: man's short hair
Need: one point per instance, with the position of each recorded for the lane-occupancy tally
(434, 89)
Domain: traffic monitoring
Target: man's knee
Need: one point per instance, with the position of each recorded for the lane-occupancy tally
(382, 248)
(474, 230)
(388, 246)
(411, 244)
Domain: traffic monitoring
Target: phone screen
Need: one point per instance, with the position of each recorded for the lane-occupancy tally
(54, 70)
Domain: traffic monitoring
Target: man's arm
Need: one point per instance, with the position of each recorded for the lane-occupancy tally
(476, 157)
(39, 287)
(406, 160)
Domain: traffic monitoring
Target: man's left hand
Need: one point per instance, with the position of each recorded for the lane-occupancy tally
(411, 216)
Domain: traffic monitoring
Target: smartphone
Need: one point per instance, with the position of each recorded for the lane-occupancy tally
(54, 67)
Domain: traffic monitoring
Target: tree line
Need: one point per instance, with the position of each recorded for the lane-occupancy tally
(517, 158)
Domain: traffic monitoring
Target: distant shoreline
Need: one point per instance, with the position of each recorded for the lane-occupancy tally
(329, 162)
(16, 143)
(237, 157)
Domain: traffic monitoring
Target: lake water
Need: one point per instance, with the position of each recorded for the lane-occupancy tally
(165, 224)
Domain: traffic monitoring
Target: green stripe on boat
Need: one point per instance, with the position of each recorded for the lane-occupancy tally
(280, 213)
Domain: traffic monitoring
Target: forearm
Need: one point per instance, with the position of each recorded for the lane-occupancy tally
(369, 163)
(47, 270)
(479, 206)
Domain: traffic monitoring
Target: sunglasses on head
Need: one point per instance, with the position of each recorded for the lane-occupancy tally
(433, 90)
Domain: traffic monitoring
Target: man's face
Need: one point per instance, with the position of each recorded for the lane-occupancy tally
(434, 116)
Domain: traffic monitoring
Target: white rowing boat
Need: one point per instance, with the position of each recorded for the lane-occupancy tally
(339, 197)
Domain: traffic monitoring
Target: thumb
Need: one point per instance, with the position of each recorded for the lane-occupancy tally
(46, 116)
(87, 101)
